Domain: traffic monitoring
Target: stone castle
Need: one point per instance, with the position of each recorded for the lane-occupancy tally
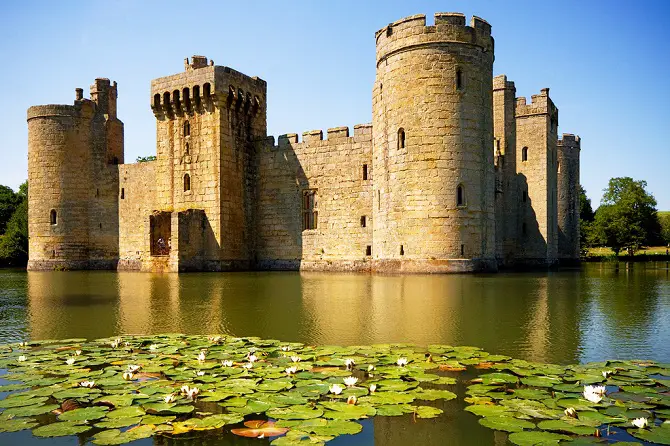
(455, 173)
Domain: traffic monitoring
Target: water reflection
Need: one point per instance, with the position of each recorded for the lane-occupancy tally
(596, 313)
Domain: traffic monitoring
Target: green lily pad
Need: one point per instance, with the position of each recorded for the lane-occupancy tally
(533, 438)
(394, 410)
(16, 424)
(506, 424)
(60, 429)
(22, 402)
(428, 412)
(486, 410)
(434, 394)
(118, 422)
(295, 413)
(653, 434)
(31, 411)
(566, 426)
(84, 414)
(115, 436)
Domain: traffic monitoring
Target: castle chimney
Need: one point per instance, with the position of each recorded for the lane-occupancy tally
(78, 94)
(544, 92)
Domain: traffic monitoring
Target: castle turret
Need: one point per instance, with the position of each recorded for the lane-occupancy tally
(569, 147)
(72, 152)
(433, 199)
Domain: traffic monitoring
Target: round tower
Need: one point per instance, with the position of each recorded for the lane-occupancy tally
(567, 160)
(433, 196)
(59, 178)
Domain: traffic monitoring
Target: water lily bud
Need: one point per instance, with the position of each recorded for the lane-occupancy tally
(373, 387)
(402, 362)
(335, 389)
(22, 358)
(248, 365)
(132, 368)
(77, 352)
(252, 358)
(201, 356)
(351, 400)
(227, 363)
(606, 373)
(88, 384)
(127, 376)
(169, 398)
(570, 412)
(371, 368)
(640, 423)
(286, 348)
(69, 361)
(295, 358)
(184, 389)
(153, 347)
(200, 373)
(349, 363)
(291, 370)
(350, 381)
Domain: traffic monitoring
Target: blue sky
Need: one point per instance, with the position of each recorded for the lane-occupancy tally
(606, 62)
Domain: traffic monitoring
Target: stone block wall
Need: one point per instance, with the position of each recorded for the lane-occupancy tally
(569, 147)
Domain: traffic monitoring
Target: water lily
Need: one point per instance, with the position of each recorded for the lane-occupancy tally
(169, 398)
(248, 365)
(89, 384)
(77, 352)
(127, 344)
(128, 376)
(349, 363)
(184, 389)
(200, 373)
(350, 381)
(606, 373)
(402, 362)
(201, 356)
(252, 358)
(214, 339)
(22, 358)
(69, 361)
(153, 347)
(286, 348)
(352, 399)
(23, 344)
(640, 423)
(373, 387)
(227, 363)
(115, 343)
(570, 412)
(192, 393)
(295, 358)
(335, 389)
(291, 370)
(371, 368)
(132, 368)
(592, 395)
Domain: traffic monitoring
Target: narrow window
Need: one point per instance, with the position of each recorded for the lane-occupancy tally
(309, 210)
(97, 193)
(525, 196)
(123, 193)
(379, 200)
(100, 225)
(524, 154)
(401, 138)
(365, 171)
(402, 250)
(187, 128)
(157, 100)
(187, 183)
(363, 221)
(53, 217)
(187, 150)
(368, 250)
(459, 79)
(462, 250)
(460, 198)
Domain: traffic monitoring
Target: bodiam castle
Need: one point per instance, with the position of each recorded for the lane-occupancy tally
(454, 174)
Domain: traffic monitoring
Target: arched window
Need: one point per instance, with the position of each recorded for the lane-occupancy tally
(157, 100)
(459, 79)
(187, 128)
(460, 196)
(187, 182)
(53, 217)
(524, 154)
(401, 138)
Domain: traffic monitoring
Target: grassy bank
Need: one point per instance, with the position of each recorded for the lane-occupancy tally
(651, 253)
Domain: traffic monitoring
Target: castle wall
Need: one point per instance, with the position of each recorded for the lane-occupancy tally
(568, 197)
(433, 127)
(536, 130)
(334, 169)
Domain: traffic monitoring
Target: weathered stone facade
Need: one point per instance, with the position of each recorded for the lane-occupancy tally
(421, 189)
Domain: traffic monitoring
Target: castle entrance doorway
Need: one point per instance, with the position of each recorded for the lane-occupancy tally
(161, 233)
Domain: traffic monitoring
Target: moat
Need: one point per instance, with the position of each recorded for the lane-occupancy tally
(594, 313)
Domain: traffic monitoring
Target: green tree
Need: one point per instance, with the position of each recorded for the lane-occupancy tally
(585, 210)
(144, 159)
(664, 218)
(14, 242)
(627, 217)
(9, 200)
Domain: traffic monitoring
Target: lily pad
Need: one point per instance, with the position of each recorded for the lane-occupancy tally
(84, 414)
(16, 424)
(533, 438)
(427, 412)
(295, 413)
(507, 424)
(60, 429)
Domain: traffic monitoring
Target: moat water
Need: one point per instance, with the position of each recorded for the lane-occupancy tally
(600, 311)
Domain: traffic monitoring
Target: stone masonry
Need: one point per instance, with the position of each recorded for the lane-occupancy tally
(455, 174)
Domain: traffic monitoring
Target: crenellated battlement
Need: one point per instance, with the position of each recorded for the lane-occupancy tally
(500, 82)
(449, 28)
(569, 140)
(540, 104)
(335, 136)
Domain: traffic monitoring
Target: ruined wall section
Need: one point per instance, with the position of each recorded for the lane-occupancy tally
(433, 128)
(136, 202)
(569, 148)
(536, 127)
(506, 188)
(339, 170)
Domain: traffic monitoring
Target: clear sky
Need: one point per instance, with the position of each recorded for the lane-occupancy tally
(606, 62)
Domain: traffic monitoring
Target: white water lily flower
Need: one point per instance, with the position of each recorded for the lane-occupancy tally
(640, 423)
(115, 343)
(352, 399)
(286, 348)
(252, 358)
(192, 393)
(169, 398)
(606, 373)
(402, 362)
(248, 365)
(291, 370)
(227, 363)
(591, 395)
(570, 412)
(89, 384)
(201, 356)
(77, 352)
(371, 368)
(373, 387)
(69, 361)
(200, 373)
(598, 390)
(349, 363)
(132, 368)
(23, 344)
(153, 347)
(184, 389)
(128, 376)
(22, 358)
(295, 358)
(127, 344)
(350, 381)
(335, 389)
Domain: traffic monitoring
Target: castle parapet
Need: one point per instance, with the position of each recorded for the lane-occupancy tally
(569, 140)
(500, 82)
(540, 104)
(449, 28)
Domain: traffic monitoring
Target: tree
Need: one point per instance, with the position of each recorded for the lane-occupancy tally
(627, 217)
(664, 218)
(144, 159)
(8, 203)
(14, 242)
(585, 210)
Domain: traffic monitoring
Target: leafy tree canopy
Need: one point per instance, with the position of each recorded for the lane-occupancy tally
(664, 218)
(14, 241)
(144, 159)
(9, 200)
(585, 210)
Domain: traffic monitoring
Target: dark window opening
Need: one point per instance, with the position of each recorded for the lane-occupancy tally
(363, 222)
(97, 193)
(187, 128)
(160, 226)
(187, 98)
(187, 183)
(368, 250)
(157, 100)
(462, 250)
(402, 250)
(53, 217)
(365, 171)
(100, 225)
(401, 138)
(309, 210)
(379, 199)
(115, 160)
(187, 150)
(524, 154)
(196, 95)
(460, 198)
(459, 79)
(206, 90)
(123, 193)
(166, 98)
